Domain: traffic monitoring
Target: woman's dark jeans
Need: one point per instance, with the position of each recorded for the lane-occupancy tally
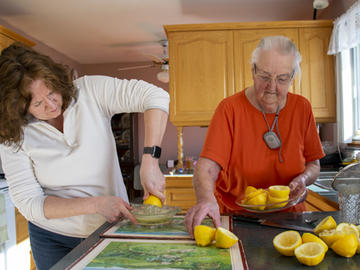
(48, 247)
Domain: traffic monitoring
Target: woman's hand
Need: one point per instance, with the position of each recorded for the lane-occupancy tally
(197, 213)
(113, 208)
(298, 188)
(152, 179)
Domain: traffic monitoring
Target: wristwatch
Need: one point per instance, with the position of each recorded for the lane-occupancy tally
(155, 151)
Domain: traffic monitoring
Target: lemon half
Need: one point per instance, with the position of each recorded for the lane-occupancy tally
(153, 200)
(309, 237)
(286, 242)
(345, 246)
(204, 235)
(279, 191)
(310, 254)
(224, 238)
(327, 223)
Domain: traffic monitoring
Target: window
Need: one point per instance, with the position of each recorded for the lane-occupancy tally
(349, 95)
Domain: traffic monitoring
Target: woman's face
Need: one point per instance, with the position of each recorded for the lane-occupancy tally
(45, 103)
(272, 75)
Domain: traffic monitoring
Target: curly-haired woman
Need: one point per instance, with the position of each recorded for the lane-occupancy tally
(58, 151)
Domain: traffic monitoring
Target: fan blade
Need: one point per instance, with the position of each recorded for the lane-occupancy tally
(135, 67)
(155, 59)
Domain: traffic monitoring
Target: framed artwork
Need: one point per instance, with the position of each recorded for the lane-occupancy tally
(174, 230)
(118, 253)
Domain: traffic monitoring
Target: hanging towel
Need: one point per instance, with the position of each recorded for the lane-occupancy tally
(3, 223)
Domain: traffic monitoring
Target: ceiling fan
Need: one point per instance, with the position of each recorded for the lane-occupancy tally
(162, 61)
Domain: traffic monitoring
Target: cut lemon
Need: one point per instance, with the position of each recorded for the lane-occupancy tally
(277, 202)
(330, 236)
(153, 200)
(279, 191)
(286, 242)
(224, 238)
(259, 199)
(309, 237)
(348, 228)
(327, 223)
(310, 254)
(255, 193)
(346, 246)
(249, 189)
(204, 235)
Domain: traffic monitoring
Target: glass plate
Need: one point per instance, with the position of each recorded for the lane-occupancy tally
(150, 215)
(272, 207)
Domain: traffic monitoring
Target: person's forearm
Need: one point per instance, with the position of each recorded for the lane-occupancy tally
(155, 121)
(205, 175)
(56, 207)
(311, 172)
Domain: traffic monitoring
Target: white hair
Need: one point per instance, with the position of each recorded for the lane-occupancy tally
(281, 44)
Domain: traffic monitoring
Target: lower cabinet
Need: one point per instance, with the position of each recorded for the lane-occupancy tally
(179, 191)
(22, 238)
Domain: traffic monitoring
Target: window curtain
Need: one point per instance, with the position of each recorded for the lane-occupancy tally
(344, 37)
(346, 31)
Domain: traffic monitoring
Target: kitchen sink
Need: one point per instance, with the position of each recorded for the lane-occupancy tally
(323, 187)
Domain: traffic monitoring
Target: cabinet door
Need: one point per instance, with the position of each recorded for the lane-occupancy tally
(317, 82)
(201, 72)
(245, 42)
(5, 41)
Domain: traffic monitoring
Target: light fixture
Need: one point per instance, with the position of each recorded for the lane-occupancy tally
(320, 4)
(163, 75)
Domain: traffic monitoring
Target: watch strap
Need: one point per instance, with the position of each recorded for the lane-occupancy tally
(155, 151)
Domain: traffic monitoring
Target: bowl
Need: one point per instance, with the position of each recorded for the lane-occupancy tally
(272, 207)
(152, 215)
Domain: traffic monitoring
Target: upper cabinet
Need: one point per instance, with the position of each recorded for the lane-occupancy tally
(209, 62)
(202, 74)
(8, 37)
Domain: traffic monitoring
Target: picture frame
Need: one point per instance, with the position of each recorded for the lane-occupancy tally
(121, 253)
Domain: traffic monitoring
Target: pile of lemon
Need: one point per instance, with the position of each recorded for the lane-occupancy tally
(310, 249)
(205, 235)
(275, 197)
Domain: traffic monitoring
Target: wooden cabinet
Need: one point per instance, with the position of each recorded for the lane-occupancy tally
(179, 191)
(8, 37)
(202, 74)
(124, 126)
(211, 61)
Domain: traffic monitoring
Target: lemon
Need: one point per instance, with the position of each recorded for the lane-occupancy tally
(277, 202)
(249, 189)
(279, 191)
(153, 200)
(345, 246)
(310, 254)
(259, 199)
(204, 235)
(348, 228)
(327, 223)
(255, 193)
(225, 238)
(309, 237)
(286, 242)
(330, 236)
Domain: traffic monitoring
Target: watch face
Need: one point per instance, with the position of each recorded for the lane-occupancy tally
(157, 152)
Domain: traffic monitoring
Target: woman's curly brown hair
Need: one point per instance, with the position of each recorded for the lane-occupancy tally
(19, 67)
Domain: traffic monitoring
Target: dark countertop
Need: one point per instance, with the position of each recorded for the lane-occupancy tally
(257, 243)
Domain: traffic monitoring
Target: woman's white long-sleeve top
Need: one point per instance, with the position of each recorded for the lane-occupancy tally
(80, 162)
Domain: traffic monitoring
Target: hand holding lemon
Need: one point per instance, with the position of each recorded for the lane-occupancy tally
(153, 200)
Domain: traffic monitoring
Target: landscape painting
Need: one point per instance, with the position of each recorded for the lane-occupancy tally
(159, 254)
(174, 230)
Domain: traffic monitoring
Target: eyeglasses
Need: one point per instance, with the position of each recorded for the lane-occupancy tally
(282, 79)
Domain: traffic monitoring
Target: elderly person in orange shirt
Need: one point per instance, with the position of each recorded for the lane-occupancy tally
(259, 137)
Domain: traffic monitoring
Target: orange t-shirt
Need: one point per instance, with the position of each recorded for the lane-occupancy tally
(235, 141)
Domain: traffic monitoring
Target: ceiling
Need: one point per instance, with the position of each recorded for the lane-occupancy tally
(112, 31)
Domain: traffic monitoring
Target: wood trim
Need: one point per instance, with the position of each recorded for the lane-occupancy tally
(316, 202)
(12, 35)
(247, 25)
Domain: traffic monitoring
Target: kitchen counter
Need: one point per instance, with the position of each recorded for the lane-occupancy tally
(257, 244)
